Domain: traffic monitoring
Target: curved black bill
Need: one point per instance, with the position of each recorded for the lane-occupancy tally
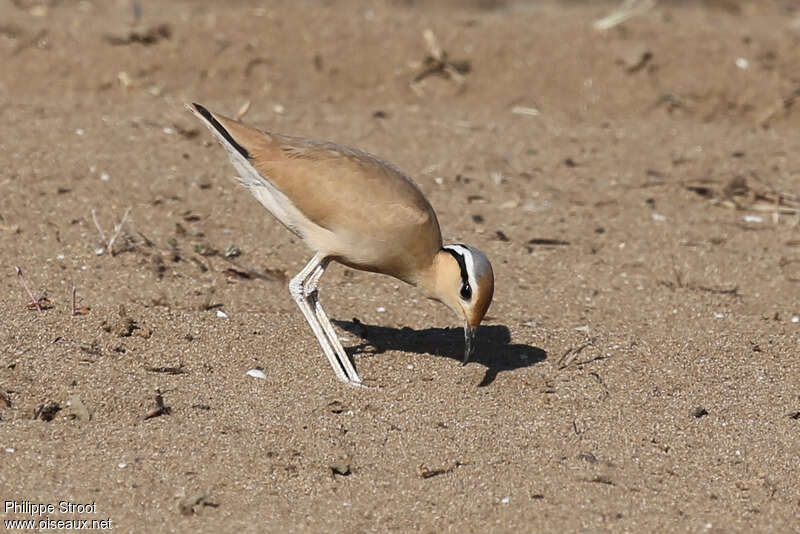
(469, 344)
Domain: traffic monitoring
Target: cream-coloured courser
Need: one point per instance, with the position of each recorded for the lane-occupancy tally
(354, 208)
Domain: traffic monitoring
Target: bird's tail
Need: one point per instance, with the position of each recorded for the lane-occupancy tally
(213, 121)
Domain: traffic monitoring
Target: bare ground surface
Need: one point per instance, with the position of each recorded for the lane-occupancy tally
(638, 371)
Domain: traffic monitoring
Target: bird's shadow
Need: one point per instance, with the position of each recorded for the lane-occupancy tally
(494, 349)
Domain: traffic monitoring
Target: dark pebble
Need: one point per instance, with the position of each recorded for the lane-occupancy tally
(698, 412)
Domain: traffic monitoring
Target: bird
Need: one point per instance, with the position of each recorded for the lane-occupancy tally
(356, 209)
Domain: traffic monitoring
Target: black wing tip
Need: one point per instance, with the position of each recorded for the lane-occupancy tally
(221, 129)
(203, 111)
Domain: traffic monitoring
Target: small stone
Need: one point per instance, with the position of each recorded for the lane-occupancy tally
(698, 412)
(143, 332)
(341, 467)
(78, 409)
(635, 59)
(187, 505)
(256, 373)
(232, 251)
(501, 236)
(48, 411)
(124, 327)
(221, 314)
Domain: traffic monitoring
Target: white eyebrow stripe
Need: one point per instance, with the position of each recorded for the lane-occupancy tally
(469, 262)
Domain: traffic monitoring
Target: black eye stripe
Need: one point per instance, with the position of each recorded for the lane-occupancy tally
(466, 290)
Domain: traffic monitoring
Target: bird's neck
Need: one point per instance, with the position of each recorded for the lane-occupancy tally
(438, 280)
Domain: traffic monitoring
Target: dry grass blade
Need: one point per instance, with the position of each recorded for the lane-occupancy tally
(34, 300)
(118, 229)
(99, 228)
(109, 242)
(434, 48)
(628, 9)
(242, 110)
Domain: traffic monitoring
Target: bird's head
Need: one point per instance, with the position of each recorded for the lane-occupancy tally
(465, 283)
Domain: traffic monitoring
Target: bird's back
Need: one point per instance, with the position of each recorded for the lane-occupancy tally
(349, 204)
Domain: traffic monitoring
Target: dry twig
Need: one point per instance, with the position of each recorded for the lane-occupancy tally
(34, 301)
(437, 62)
(572, 353)
(83, 310)
(160, 409)
(425, 472)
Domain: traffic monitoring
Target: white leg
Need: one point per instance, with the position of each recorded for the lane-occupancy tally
(313, 299)
(299, 293)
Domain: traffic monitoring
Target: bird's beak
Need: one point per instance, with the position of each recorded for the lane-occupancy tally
(469, 343)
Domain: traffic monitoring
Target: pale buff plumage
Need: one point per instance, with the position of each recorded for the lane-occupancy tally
(354, 208)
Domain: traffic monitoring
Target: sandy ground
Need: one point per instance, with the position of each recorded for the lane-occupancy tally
(636, 190)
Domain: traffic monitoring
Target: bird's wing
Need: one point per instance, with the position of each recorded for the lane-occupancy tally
(336, 187)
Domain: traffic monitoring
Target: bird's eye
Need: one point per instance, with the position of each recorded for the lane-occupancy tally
(466, 291)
